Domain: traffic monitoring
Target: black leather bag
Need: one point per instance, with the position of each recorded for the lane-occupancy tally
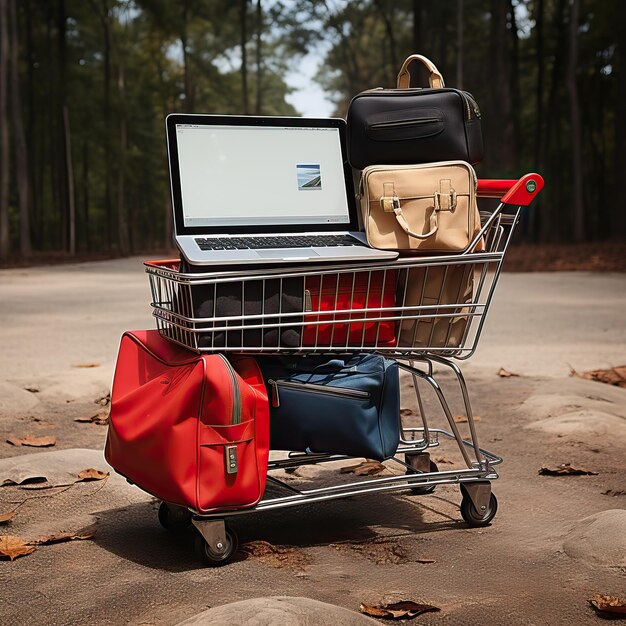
(414, 125)
(269, 298)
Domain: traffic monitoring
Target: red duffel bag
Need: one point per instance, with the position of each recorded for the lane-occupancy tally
(190, 429)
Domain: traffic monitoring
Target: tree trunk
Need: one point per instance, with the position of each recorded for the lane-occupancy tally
(515, 87)
(393, 55)
(4, 133)
(618, 215)
(87, 235)
(61, 161)
(500, 144)
(417, 25)
(122, 222)
(544, 221)
(33, 173)
(187, 74)
(572, 90)
(19, 140)
(243, 31)
(108, 172)
(69, 168)
(459, 44)
(259, 68)
(540, 63)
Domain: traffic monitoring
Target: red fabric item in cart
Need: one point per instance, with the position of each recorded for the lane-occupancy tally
(190, 429)
(352, 291)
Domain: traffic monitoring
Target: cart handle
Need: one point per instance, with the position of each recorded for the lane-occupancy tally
(518, 192)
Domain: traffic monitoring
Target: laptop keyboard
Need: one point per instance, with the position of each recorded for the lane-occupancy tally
(287, 241)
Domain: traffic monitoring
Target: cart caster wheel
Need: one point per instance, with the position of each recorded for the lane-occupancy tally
(426, 489)
(473, 517)
(174, 518)
(211, 557)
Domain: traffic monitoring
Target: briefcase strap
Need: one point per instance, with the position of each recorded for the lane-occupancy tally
(435, 79)
(443, 200)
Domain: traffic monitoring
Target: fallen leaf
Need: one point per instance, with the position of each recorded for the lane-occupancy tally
(613, 492)
(86, 365)
(92, 474)
(36, 442)
(276, 556)
(425, 560)
(104, 400)
(405, 609)
(5, 518)
(101, 418)
(14, 547)
(406, 412)
(505, 373)
(32, 389)
(462, 419)
(614, 376)
(84, 533)
(609, 604)
(442, 459)
(366, 468)
(565, 469)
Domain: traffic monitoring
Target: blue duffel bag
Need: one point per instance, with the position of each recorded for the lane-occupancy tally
(345, 405)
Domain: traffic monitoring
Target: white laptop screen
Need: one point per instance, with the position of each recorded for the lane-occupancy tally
(261, 175)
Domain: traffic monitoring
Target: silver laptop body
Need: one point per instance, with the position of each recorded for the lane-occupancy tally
(252, 190)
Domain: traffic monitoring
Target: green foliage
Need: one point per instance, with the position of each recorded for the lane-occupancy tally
(119, 67)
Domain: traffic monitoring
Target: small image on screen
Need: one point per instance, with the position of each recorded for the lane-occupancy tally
(309, 176)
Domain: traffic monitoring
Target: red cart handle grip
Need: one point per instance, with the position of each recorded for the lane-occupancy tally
(518, 192)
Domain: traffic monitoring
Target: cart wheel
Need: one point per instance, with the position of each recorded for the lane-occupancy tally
(174, 518)
(473, 517)
(426, 489)
(213, 558)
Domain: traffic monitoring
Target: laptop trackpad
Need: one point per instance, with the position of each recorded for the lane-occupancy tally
(287, 253)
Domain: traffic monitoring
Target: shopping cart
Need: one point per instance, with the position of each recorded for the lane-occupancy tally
(434, 325)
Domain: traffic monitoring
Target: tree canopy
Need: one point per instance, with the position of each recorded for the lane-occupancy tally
(85, 87)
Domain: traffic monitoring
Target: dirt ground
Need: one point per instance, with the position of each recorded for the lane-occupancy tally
(556, 540)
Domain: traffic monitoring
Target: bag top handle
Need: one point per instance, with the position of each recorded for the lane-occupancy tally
(435, 79)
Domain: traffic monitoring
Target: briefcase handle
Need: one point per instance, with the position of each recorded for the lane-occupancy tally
(435, 79)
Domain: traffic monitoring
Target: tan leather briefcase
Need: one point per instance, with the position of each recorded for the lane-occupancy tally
(432, 286)
(429, 208)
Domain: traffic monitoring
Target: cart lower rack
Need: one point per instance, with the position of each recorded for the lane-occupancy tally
(423, 312)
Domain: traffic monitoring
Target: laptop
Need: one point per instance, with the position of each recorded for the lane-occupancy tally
(250, 190)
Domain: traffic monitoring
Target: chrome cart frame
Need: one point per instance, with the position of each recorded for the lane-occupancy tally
(428, 331)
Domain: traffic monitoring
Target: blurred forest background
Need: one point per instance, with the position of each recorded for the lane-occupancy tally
(85, 86)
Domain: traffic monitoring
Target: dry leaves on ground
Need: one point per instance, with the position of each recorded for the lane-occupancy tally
(5, 518)
(443, 460)
(462, 419)
(366, 468)
(104, 400)
(92, 474)
(565, 469)
(36, 442)
(101, 418)
(614, 493)
(88, 532)
(609, 604)
(14, 547)
(613, 376)
(405, 609)
(276, 556)
(86, 365)
(505, 373)
(406, 412)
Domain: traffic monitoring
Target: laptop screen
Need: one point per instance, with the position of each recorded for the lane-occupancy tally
(239, 176)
